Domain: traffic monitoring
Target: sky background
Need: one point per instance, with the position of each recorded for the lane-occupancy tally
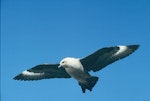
(45, 31)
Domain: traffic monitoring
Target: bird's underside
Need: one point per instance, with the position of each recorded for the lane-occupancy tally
(94, 62)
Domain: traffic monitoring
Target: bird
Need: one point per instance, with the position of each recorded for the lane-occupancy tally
(79, 68)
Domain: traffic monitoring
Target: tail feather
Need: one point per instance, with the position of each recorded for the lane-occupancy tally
(88, 84)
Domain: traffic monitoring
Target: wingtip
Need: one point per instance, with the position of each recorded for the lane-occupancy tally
(18, 77)
(21, 77)
(14, 78)
(135, 47)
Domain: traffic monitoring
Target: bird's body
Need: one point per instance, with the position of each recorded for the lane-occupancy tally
(76, 73)
(79, 68)
(74, 68)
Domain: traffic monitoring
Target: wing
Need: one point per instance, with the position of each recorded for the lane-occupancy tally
(106, 56)
(43, 71)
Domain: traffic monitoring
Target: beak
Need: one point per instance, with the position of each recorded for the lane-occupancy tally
(59, 66)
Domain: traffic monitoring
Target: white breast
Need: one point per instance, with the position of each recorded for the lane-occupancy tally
(74, 68)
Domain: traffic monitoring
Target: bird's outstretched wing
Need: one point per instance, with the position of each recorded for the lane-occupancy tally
(106, 56)
(43, 71)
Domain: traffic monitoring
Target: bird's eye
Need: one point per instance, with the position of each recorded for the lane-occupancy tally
(63, 62)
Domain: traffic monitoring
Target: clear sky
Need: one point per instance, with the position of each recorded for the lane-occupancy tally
(45, 31)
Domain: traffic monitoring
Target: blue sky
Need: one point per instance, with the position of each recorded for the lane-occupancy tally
(45, 31)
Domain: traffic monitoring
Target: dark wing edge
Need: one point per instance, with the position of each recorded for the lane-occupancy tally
(106, 56)
(43, 71)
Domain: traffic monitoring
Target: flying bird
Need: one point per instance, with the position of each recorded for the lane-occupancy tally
(79, 68)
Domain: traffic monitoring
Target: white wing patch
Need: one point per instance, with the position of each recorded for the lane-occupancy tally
(121, 50)
(31, 73)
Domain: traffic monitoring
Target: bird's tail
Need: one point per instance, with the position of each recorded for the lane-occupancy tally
(89, 83)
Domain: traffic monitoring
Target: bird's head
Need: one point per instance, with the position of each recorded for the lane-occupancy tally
(69, 62)
(63, 63)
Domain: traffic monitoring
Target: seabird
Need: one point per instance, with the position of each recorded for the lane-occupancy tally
(79, 68)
